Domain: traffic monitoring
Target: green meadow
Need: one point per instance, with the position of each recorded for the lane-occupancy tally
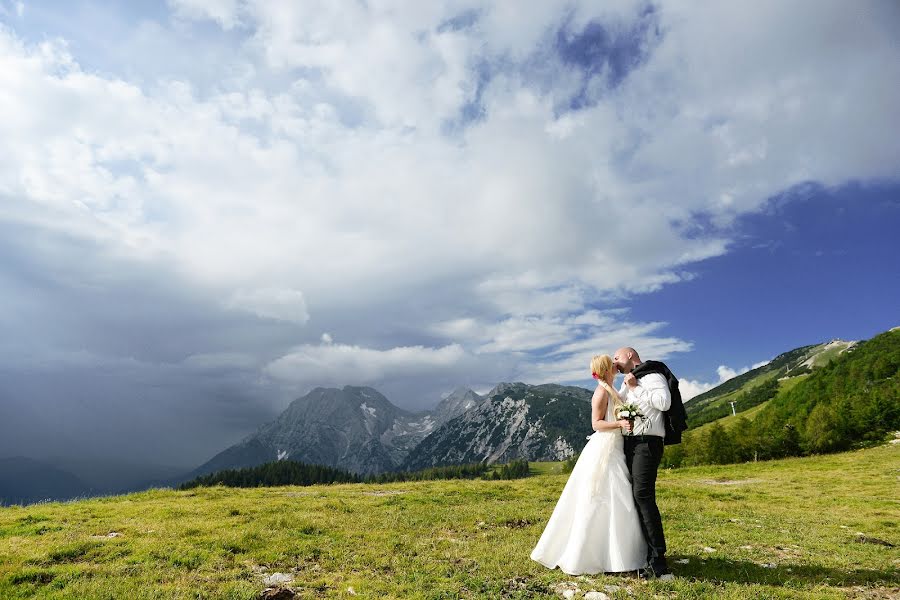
(815, 527)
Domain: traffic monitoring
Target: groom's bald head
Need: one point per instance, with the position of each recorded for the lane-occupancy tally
(625, 359)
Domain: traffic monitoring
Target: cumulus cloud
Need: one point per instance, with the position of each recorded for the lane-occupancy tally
(725, 373)
(690, 388)
(342, 364)
(458, 192)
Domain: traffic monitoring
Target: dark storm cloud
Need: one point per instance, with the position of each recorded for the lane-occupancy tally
(104, 355)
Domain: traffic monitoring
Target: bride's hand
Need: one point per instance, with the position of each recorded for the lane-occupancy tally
(624, 424)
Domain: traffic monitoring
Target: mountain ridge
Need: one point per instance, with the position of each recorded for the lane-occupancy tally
(512, 420)
(355, 428)
(715, 403)
(515, 421)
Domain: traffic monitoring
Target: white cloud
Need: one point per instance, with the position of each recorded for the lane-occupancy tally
(725, 373)
(691, 388)
(332, 157)
(346, 364)
(271, 303)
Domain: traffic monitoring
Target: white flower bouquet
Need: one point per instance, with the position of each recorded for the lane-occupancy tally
(629, 412)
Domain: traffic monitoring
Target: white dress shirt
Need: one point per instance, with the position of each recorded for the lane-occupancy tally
(652, 395)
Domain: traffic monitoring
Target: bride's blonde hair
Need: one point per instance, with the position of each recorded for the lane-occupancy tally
(602, 364)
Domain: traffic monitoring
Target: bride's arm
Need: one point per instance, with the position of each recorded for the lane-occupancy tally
(598, 411)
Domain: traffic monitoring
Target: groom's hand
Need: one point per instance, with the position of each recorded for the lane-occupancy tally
(631, 381)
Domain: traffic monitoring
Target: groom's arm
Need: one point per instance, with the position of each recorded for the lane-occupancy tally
(651, 391)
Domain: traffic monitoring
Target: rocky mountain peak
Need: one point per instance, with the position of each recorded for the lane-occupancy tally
(456, 403)
(516, 420)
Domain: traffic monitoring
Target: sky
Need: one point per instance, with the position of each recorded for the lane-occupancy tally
(210, 207)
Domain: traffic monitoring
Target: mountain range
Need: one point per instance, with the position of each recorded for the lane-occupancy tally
(354, 428)
(515, 421)
(358, 429)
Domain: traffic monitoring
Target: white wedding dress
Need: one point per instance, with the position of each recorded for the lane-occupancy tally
(594, 527)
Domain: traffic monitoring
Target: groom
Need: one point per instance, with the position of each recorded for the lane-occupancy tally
(644, 450)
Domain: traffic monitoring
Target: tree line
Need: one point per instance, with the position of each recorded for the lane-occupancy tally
(290, 472)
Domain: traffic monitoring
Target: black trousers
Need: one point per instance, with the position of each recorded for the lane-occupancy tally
(642, 456)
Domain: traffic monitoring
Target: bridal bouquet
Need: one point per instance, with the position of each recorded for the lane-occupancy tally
(629, 412)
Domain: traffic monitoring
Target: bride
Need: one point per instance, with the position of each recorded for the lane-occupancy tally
(594, 527)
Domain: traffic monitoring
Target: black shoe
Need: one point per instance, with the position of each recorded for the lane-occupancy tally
(661, 570)
(655, 571)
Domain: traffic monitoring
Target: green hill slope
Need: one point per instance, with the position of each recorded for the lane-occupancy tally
(751, 413)
(851, 401)
(742, 531)
(759, 385)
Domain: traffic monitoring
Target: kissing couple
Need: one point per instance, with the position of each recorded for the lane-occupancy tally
(606, 519)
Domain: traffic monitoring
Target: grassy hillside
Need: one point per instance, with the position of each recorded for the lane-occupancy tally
(754, 387)
(795, 528)
(850, 402)
(730, 421)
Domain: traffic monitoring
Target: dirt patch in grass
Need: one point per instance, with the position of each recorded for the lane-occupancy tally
(865, 539)
(517, 523)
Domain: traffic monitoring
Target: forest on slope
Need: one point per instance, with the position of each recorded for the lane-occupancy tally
(851, 402)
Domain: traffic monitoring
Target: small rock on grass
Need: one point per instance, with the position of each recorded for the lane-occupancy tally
(111, 534)
(276, 579)
(708, 549)
(595, 595)
(683, 561)
(566, 589)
